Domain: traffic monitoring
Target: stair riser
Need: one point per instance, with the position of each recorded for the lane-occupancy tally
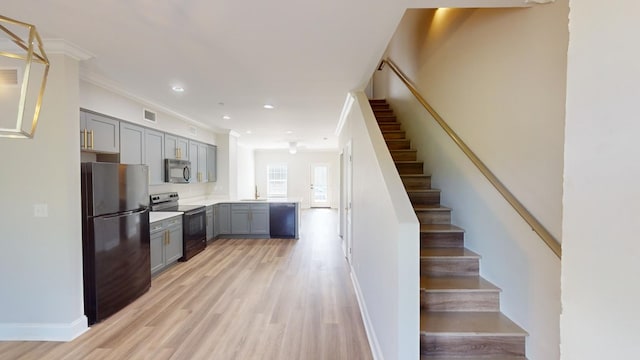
(441, 240)
(394, 135)
(398, 144)
(380, 106)
(404, 156)
(390, 126)
(410, 168)
(434, 217)
(382, 112)
(417, 182)
(424, 198)
(460, 301)
(472, 345)
(449, 267)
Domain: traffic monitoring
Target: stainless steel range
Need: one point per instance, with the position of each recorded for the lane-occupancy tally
(194, 222)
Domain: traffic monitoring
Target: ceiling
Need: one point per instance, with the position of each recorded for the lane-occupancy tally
(231, 57)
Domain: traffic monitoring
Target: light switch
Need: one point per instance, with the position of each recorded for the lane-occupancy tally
(40, 210)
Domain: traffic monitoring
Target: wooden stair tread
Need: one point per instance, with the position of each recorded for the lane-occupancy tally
(422, 191)
(408, 161)
(448, 253)
(468, 324)
(440, 228)
(456, 283)
(427, 207)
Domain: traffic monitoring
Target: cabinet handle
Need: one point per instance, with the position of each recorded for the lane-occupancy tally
(168, 238)
(91, 138)
(178, 153)
(84, 132)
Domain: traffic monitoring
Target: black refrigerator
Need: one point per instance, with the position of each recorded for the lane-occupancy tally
(115, 237)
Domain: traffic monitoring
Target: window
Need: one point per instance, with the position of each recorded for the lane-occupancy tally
(277, 181)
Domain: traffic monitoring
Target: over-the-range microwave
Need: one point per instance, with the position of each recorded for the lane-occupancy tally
(177, 171)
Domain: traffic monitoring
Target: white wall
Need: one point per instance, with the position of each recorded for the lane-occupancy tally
(299, 172)
(246, 172)
(41, 258)
(600, 264)
(497, 76)
(96, 98)
(385, 241)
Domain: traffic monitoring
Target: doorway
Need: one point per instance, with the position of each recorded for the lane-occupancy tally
(320, 185)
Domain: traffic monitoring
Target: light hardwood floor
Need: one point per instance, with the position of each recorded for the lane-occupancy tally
(239, 299)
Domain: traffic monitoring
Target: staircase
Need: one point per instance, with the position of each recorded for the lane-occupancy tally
(460, 314)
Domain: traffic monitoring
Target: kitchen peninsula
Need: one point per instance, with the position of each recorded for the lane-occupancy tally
(251, 218)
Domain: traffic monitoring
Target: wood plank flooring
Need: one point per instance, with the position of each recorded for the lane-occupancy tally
(239, 299)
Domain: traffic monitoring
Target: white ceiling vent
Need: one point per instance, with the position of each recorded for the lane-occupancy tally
(149, 115)
(9, 77)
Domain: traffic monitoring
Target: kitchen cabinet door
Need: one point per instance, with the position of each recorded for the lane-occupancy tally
(210, 222)
(193, 157)
(202, 162)
(154, 156)
(132, 144)
(176, 148)
(223, 219)
(240, 219)
(173, 248)
(157, 251)
(259, 219)
(212, 159)
(99, 133)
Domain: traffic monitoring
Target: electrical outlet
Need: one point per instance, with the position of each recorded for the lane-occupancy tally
(40, 210)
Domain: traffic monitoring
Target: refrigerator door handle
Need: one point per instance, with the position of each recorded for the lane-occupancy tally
(124, 213)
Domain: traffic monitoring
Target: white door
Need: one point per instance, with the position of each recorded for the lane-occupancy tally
(320, 185)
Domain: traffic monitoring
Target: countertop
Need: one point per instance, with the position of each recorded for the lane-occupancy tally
(208, 202)
(155, 216)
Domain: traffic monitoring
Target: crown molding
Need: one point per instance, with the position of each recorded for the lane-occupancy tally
(65, 47)
(113, 87)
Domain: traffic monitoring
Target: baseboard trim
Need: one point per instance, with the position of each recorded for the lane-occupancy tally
(44, 332)
(368, 326)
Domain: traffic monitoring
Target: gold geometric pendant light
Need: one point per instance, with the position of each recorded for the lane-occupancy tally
(24, 67)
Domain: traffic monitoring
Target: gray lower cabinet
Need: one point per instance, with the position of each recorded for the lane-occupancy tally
(132, 143)
(222, 219)
(154, 155)
(251, 219)
(210, 224)
(99, 133)
(166, 243)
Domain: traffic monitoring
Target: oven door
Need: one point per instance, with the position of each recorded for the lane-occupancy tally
(194, 232)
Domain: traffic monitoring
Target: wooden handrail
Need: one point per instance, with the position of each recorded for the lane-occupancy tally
(536, 226)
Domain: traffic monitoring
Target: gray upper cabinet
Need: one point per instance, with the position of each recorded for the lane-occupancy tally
(154, 155)
(99, 133)
(212, 159)
(176, 147)
(202, 162)
(198, 158)
(132, 144)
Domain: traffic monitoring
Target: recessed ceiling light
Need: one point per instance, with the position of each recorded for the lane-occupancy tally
(248, 131)
(269, 106)
(226, 117)
(177, 88)
(289, 132)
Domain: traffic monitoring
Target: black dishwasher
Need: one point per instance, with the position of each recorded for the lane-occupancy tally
(282, 220)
